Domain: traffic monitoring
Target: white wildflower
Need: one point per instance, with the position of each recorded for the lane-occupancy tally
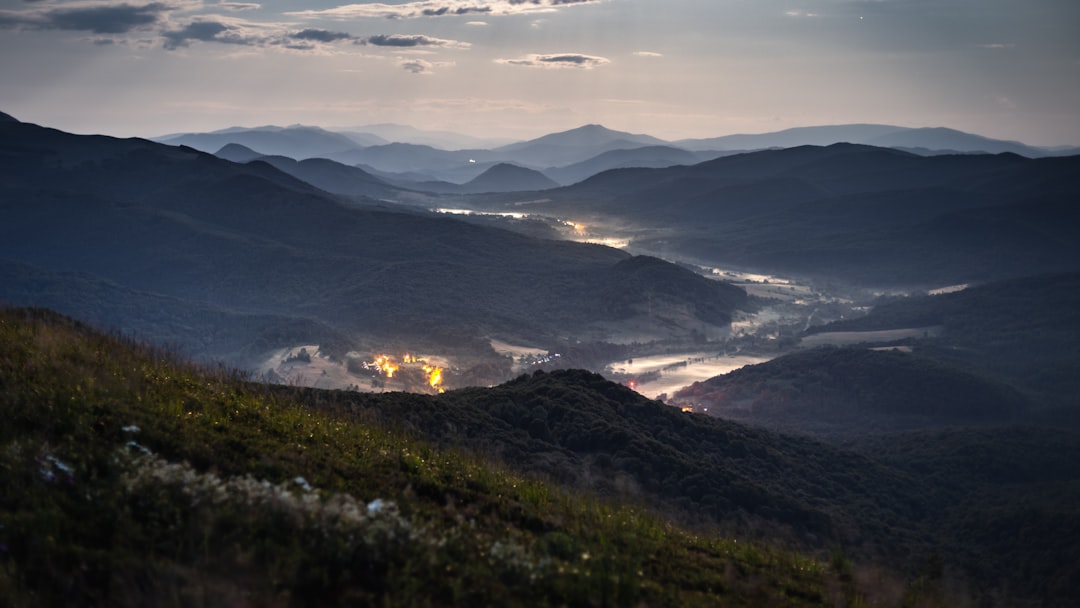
(300, 481)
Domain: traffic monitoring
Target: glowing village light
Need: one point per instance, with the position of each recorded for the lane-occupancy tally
(434, 377)
(386, 364)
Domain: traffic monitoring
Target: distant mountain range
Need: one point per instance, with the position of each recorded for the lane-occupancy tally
(193, 247)
(867, 214)
(445, 140)
(296, 142)
(936, 140)
(569, 156)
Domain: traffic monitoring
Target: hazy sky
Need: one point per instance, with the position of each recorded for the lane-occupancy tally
(523, 68)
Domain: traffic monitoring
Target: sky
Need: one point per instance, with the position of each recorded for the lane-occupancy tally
(519, 69)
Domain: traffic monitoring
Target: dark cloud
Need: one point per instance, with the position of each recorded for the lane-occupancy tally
(575, 59)
(558, 60)
(202, 31)
(445, 10)
(321, 35)
(118, 19)
(398, 40)
(438, 8)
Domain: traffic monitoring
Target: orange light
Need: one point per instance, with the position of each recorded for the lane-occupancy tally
(434, 377)
(387, 365)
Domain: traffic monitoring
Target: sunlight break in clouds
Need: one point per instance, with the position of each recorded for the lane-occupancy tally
(559, 60)
(647, 54)
(440, 8)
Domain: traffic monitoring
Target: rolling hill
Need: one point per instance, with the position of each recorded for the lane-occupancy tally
(1024, 332)
(645, 156)
(505, 177)
(573, 146)
(336, 178)
(847, 391)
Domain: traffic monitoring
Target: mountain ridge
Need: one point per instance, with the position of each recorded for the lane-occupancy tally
(250, 239)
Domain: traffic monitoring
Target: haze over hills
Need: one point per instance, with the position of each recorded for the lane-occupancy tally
(926, 140)
(573, 155)
(295, 142)
(335, 177)
(646, 156)
(446, 140)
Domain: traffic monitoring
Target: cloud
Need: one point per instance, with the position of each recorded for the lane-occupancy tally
(440, 8)
(800, 14)
(96, 18)
(561, 60)
(417, 66)
(202, 31)
(477, 23)
(321, 35)
(647, 54)
(412, 40)
(239, 6)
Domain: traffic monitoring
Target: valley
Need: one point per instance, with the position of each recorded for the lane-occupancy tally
(814, 347)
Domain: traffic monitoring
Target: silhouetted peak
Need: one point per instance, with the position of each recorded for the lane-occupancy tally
(7, 118)
(237, 153)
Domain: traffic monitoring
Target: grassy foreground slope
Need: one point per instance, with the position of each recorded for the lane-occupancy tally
(127, 479)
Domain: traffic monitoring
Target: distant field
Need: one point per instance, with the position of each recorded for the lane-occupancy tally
(844, 338)
(683, 369)
(779, 292)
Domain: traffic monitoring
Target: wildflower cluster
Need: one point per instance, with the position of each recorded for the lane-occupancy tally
(378, 522)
